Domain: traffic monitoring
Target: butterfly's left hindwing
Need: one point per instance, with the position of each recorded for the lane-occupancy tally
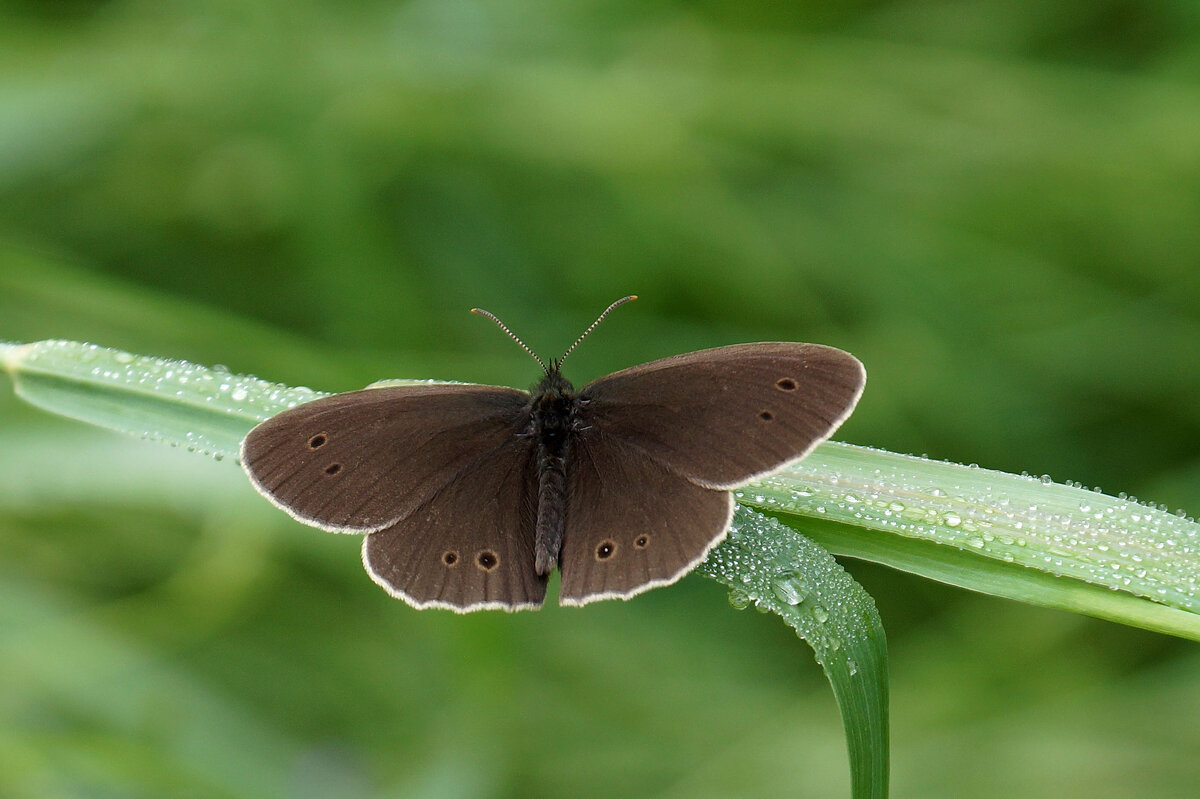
(469, 546)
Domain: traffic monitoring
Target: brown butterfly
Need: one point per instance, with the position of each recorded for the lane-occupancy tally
(470, 495)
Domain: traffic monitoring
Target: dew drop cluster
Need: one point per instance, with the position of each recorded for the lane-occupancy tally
(772, 568)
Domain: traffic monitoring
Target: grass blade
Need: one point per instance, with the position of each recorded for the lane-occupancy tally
(1028, 538)
(772, 566)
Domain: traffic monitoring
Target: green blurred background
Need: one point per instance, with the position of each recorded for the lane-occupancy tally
(995, 205)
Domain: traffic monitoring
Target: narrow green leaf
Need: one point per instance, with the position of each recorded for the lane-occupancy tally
(775, 568)
(1027, 538)
(1031, 539)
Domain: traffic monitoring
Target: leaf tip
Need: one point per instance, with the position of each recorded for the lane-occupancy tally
(10, 355)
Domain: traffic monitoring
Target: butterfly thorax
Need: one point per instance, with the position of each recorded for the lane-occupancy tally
(554, 407)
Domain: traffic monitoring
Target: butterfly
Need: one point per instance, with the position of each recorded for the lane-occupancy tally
(469, 496)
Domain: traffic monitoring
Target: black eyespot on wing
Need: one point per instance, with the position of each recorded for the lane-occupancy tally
(487, 560)
(333, 468)
(641, 542)
(606, 549)
(786, 384)
(450, 558)
(318, 441)
(766, 416)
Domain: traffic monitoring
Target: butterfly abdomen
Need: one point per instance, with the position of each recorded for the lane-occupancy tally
(554, 408)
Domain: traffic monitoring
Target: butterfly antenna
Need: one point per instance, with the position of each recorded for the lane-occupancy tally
(512, 335)
(599, 319)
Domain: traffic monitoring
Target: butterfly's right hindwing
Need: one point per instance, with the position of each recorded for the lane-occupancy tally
(632, 524)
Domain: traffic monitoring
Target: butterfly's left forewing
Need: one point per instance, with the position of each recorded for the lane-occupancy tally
(360, 461)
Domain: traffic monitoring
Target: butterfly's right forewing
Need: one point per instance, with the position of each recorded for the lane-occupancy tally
(725, 416)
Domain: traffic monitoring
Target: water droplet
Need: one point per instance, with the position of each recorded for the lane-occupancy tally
(791, 589)
(739, 599)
